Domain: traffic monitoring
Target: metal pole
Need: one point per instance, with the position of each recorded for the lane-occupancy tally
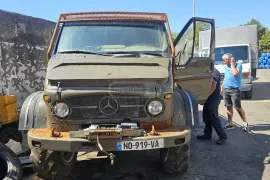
(194, 5)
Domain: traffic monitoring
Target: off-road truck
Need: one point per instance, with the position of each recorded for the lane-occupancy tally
(116, 81)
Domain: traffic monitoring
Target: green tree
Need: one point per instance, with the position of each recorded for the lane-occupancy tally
(174, 35)
(201, 26)
(264, 42)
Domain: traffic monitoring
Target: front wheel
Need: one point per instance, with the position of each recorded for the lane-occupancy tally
(248, 94)
(175, 160)
(53, 164)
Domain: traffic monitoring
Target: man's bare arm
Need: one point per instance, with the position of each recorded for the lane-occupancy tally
(235, 71)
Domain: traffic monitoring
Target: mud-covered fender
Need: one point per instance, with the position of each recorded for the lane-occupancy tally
(185, 109)
(33, 112)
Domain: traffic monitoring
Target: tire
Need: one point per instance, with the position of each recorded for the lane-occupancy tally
(254, 73)
(248, 94)
(11, 168)
(50, 164)
(175, 160)
(10, 132)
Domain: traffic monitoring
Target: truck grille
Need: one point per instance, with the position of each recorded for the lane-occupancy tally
(106, 107)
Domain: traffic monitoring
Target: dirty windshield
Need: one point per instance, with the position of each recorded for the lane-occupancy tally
(114, 37)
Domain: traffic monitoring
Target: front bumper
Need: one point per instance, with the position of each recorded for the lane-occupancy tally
(246, 87)
(170, 137)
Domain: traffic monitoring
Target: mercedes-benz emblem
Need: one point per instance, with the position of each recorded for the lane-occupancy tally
(108, 105)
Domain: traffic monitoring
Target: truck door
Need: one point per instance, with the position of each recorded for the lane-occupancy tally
(193, 69)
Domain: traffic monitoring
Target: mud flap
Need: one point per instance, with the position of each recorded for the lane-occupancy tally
(33, 112)
(191, 108)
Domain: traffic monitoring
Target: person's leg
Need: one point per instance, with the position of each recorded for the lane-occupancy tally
(215, 121)
(208, 127)
(236, 98)
(229, 105)
(230, 114)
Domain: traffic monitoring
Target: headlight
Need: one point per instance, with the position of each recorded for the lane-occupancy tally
(61, 110)
(155, 107)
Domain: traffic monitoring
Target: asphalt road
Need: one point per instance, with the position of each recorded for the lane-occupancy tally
(246, 155)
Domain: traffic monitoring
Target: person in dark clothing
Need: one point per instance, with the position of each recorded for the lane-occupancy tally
(210, 112)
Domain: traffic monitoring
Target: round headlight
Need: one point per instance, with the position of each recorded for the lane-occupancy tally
(155, 107)
(61, 110)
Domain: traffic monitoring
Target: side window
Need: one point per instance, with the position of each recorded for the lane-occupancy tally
(202, 39)
(192, 42)
(184, 48)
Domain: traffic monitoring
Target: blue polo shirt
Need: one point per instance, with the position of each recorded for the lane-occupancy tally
(231, 81)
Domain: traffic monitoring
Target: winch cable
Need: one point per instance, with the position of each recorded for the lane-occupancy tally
(110, 155)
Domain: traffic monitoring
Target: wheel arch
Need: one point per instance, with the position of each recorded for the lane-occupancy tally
(33, 112)
(186, 111)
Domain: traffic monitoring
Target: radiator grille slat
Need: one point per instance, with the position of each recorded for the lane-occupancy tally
(88, 107)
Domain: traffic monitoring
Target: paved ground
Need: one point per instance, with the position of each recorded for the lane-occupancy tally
(245, 156)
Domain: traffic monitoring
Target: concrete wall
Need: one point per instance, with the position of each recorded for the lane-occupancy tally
(23, 47)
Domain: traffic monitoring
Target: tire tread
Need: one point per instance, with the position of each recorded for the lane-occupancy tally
(175, 160)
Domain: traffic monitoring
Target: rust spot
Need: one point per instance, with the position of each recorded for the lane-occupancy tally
(46, 133)
(55, 134)
(63, 127)
(153, 132)
(94, 16)
(159, 125)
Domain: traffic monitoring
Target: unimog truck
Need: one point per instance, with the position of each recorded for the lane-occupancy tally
(117, 81)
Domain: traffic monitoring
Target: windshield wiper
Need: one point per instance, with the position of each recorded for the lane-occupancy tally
(154, 54)
(83, 52)
(137, 53)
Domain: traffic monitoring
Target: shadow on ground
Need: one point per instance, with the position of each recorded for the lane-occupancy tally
(244, 156)
(260, 91)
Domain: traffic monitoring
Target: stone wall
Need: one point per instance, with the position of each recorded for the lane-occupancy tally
(24, 42)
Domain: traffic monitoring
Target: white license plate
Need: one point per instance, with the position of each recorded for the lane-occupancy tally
(140, 145)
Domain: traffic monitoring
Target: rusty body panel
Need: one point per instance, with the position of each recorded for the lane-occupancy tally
(97, 16)
(43, 138)
(158, 124)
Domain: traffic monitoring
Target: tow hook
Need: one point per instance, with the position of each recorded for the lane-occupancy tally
(153, 132)
(111, 156)
(55, 134)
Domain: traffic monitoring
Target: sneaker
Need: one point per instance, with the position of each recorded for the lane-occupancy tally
(228, 126)
(203, 137)
(221, 141)
(245, 126)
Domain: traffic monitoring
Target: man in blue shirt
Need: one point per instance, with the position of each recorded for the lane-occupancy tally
(210, 112)
(231, 89)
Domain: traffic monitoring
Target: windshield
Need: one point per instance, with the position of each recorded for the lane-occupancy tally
(113, 37)
(238, 52)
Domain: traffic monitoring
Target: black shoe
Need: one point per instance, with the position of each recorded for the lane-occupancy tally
(221, 141)
(203, 137)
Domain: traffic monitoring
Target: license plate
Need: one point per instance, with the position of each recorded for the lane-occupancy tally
(140, 145)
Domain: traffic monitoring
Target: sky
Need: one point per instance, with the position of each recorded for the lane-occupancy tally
(226, 13)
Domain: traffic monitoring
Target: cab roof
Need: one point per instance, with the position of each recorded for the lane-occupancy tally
(107, 16)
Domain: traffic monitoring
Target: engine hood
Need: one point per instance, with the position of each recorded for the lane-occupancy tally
(71, 67)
